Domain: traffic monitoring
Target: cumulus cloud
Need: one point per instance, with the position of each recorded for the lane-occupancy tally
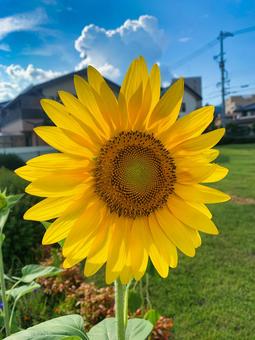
(17, 78)
(112, 50)
(22, 22)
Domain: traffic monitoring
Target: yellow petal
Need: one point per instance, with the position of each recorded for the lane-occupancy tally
(86, 97)
(200, 143)
(55, 137)
(200, 193)
(84, 231)
(137, 74)
(166, 111)
(175, 231)
(187, 127)
(118, 248)
(60, 116)
(48, 209)
(193, 172)
(201, 207)
(60, 228)
(30, 173)
(219, 173)
(105, 98)
(79, 111)
(190, 216)
(132, 90)
(155, 254)
(58, 185)
(166, 247)
(137, 249)
(91, 268)
(155, 85)
(58, 161)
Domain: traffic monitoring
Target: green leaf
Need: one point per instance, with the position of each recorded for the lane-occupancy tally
(4, 213)
(2, 237)
(138, 329)
(18, 292)
(64, 327)
(34, 271)
(13, 199)
(134, 301)
(153, 316)
(105, 330)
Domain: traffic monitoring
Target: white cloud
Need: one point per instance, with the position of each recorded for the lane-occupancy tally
(112, 50)
(184, 39)
(16, 78)
(22, 22)
(5, 47)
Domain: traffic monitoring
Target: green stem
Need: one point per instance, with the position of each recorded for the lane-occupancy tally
(148, 301)
(119, 309)
(3, 291)
(126, 304)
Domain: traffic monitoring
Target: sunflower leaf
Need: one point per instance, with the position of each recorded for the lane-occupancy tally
(137, 329)
(34, 271)
(65, 327)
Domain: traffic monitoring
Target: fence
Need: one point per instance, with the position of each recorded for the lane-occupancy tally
(27, 152)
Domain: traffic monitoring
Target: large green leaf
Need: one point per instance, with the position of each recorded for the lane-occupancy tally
(64, 327)
(34, 271)
(105, 330)
(18, 292)
(137, 329)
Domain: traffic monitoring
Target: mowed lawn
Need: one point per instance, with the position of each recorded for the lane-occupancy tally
(212, 296)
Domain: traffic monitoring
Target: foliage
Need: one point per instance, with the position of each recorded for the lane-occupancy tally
(55, 329)
(10, 161)
(234, 129)
(23, 238)
(68, 293)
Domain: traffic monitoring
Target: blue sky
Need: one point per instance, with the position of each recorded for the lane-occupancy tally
(40, 39)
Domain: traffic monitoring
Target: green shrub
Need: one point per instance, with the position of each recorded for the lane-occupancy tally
(10, 161)
(237, 140)
(22, 238)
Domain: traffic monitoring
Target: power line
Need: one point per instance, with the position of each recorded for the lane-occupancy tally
(244, 30)
(206, 47)
(194, 54)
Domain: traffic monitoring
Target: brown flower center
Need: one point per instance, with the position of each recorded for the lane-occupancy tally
(134, 174)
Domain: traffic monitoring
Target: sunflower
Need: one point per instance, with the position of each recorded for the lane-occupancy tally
(128, 183)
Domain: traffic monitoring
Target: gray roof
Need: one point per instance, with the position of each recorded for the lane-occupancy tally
(38, 87)
(245, 108)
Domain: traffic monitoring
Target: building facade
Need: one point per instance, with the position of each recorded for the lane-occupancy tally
(19, 116)
(235, 105)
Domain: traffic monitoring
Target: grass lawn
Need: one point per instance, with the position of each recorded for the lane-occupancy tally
(212, 296)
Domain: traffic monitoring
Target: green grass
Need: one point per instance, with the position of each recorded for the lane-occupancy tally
(212, 296)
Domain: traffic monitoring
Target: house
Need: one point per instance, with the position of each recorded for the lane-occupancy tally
(19, 116)
(235, 103)
(192, 98)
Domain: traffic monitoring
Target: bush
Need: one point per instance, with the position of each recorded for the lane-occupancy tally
(10, 161)
(22, 238)
(237, 140)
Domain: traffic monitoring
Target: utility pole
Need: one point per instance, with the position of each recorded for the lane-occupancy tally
(222, 61)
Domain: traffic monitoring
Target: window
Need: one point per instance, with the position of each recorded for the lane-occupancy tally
(183, 107)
